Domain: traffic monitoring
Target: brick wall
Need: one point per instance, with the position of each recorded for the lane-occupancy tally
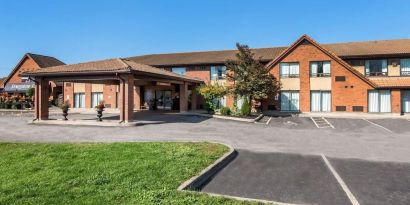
(27, 65)
(343, 94)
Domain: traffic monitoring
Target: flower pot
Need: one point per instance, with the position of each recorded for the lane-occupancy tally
(65, 113)
(99, 114)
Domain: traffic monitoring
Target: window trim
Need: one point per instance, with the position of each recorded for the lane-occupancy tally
(172, 70)
(377, 73)
(289, 75)
(320, 75)
(289, 101)
(378, 98)
(218, 78)
(321, 96)
(401, 69)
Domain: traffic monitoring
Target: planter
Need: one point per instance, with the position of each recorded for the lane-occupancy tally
(99, 114)
(65, 113)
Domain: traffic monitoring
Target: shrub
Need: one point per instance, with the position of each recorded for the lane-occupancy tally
(2, 105)
(246, 107)
(225, 111)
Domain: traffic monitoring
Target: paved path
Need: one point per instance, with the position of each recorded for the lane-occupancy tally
(350, 138)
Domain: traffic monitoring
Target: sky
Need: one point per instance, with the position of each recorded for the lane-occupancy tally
(78, 31)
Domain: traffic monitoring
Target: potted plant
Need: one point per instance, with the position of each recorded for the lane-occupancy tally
(64, 107)
(100, 108)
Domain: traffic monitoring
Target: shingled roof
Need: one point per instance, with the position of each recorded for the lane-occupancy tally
(391, 82)
(342, 50)
(116, 65)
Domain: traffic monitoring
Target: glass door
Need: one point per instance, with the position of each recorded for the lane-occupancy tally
(406, 101)
(164, 99)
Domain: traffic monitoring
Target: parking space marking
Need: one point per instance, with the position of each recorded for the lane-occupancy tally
(339, 179)
(270, 118)
(321, 122)
(377, 125)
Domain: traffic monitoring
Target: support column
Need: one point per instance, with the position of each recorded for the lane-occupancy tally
(183, 97)
(42, 92)
(127, 98)
(194, 98)
(137, 98)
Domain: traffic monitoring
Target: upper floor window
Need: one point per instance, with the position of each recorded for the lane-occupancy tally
(376, 67)
(180, 71)
(405, 66)
(289, 70)
(320, 69)
(218, 72)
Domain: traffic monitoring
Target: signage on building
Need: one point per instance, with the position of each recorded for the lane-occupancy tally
(18, 87)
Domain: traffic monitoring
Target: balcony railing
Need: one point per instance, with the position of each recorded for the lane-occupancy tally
(320, 75)
(376, 74)
(289, 75)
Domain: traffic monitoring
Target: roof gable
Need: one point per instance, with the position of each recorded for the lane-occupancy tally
(306, 39)
(40, 60)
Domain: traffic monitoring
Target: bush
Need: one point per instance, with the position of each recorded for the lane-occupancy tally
(2, 105)
(246, 107)
(225, 111)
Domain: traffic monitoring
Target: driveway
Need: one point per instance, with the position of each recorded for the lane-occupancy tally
(349, 138)
(280, 159)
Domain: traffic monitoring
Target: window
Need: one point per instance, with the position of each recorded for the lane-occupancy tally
(180, 71)
(405, 66)
(376, 67)
(379, 101)
(320, 101)
(219, 102)
(320, 69)
(79, 100)
(96, 98)
(289, 70)
(289, 100)
(218, 72)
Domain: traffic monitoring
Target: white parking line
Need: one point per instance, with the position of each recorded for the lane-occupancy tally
(321, 122)
(377, 125)
(269, 121)
(339, 179)
(328, 123)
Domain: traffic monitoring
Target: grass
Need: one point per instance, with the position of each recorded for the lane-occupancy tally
(118, 173)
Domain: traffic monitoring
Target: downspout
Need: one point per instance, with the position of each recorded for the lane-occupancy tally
(122, 97)
(36, 96)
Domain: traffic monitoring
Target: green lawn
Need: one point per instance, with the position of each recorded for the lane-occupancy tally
(118, 173)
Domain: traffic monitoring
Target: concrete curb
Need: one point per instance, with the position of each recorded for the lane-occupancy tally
(223, 117)
(104, 123)
(196, 182)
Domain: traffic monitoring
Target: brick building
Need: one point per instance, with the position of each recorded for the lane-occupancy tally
(371, 76)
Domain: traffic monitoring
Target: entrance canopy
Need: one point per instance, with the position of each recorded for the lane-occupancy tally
(126, 73)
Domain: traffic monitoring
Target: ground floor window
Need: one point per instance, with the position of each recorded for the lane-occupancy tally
(379, 101)
(320, 101)
(96, 98)
(79, 100)
(405, 96)
(289, 100)
(219, 102)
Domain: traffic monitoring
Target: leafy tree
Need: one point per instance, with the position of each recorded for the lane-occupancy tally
(210, 92)
(30, 92)
(246, 107)
(250, 77)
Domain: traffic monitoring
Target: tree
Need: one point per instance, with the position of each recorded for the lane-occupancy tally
(30, 92)
(250, 77)
(210, 92)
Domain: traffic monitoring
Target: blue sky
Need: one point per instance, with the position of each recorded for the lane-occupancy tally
(75, 31)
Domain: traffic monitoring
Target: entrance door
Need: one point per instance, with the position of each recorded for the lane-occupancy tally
(405, 96)
(164, 99)
(289, 100)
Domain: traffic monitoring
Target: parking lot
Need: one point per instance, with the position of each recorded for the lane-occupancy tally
(361, 125)
(308, 179)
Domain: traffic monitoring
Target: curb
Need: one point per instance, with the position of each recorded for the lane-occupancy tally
(238, 119)
(196, 182)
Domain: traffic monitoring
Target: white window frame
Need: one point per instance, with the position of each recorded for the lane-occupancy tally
(79, 102)
(405, 67)
(325, 71)
(291, 101)
(384, 70)
(379, 101)
(218, 72)
(289, 70)
(321, 100)
(179, 70)
(99, 96)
